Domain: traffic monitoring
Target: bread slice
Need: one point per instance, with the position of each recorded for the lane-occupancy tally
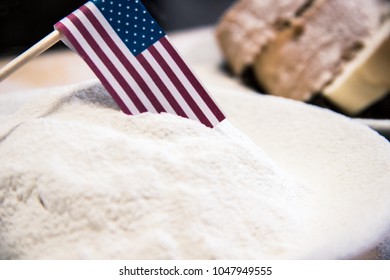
(313, 47)
(366, 80)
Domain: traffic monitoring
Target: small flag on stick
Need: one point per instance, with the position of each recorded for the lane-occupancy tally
(135, 61)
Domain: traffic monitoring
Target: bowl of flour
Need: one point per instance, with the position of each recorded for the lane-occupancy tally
(277, 180)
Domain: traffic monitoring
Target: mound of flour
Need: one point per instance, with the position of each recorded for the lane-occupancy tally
(79, 179)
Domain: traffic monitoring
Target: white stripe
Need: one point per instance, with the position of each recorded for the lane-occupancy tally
(100, 65)
(193, 92)
(117, 63)
(130, 57)
(171, 87)
(68, 43)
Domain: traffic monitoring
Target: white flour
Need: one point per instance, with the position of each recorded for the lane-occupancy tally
(79, 179)
(343, 165)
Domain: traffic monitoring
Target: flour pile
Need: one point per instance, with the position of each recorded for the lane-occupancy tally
(79, 179)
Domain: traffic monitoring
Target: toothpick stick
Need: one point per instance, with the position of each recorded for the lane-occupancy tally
(30, 54)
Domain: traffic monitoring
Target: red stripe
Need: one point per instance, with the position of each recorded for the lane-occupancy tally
(65, 31)
(107, 62)
(193, 80)
(160, 84)
(182, 90)
(126, 63)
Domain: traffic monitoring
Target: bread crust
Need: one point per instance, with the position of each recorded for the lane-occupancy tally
(249, 25)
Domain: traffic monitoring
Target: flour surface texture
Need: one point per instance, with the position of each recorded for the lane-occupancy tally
(79, 179)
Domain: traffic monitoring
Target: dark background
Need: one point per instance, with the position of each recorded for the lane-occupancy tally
(24, 22)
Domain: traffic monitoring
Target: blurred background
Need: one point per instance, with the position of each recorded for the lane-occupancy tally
(24, 22)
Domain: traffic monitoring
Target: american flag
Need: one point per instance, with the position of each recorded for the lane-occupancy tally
(135, 61)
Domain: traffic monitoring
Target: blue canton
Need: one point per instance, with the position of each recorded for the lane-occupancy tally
(132, 22)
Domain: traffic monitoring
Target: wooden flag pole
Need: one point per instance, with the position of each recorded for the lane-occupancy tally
(30, 54)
